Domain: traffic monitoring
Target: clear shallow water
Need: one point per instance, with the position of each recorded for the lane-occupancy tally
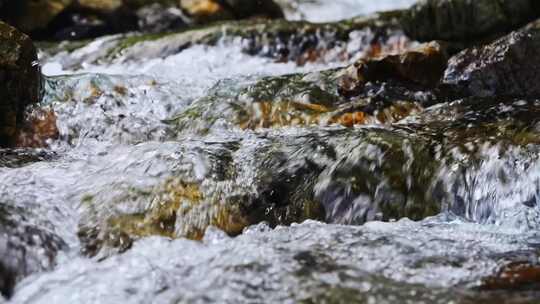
(114, 142)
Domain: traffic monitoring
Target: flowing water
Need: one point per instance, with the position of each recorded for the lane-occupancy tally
(322, 11)
(118, 153)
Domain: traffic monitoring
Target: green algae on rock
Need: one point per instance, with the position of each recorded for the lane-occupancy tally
(21, 80)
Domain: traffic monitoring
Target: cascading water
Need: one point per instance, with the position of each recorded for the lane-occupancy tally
(154, 150)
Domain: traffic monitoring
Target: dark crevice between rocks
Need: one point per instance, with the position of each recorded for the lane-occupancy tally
(288, 198)
(75, 23)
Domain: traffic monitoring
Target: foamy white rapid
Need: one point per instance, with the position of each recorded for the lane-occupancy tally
(334, 10)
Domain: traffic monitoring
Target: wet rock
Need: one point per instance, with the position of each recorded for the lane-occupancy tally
(414, 168)
(320, 98)
(25, 248)
(467, 132)
(509, 66)
(204, 11)
(312, 100)
(38, 128)
(157, 18)
(427, 161)
(467, 20)
(229, 195)
(100, 5)
(422, 66)
(514, 276)
(298, 100)
(21, 80)
(30, 16)
(16, 158)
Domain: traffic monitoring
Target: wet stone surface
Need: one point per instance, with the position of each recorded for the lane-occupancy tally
(465, 20)
(25, 247)
(20, 78)
(506, 67)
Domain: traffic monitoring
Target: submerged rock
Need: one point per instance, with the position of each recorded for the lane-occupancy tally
(414, 168)
(216, 184)
(20, 78)
(467, 20)
(509, 66)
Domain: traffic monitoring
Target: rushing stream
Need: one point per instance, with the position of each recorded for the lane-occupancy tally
(125, 142)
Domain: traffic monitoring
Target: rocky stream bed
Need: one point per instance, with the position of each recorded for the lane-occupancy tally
(233, 151)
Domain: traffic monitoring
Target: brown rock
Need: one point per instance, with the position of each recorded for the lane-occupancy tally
(204, 11)
(20, 78)
(35, 15)
(38, 128)
(423, 65)
(514, 276)
(100, 5)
